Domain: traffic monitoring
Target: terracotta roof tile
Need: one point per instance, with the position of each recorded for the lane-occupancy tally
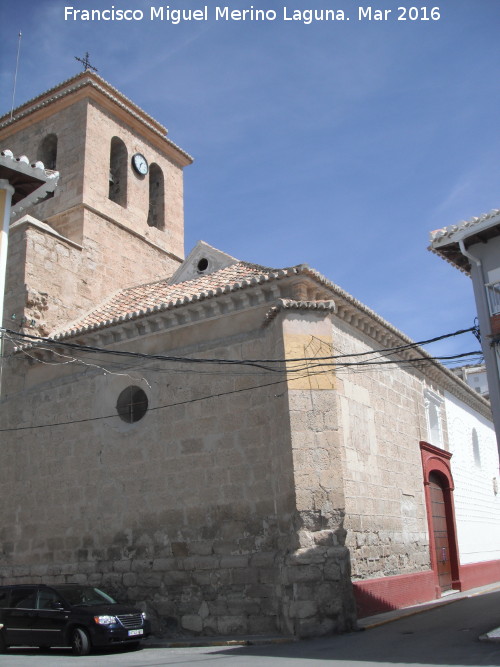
(124, 303)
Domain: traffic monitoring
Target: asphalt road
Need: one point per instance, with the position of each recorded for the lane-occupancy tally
(445, 635)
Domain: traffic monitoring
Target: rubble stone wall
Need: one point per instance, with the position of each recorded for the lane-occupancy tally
(52, 280)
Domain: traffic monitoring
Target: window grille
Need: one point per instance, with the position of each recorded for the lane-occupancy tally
(132, 404)
(493, 290)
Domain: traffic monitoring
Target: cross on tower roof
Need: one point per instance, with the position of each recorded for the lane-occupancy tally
(86, 62)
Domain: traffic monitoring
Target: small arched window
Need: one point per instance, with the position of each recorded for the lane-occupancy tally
(47, 151)
(475, 448)
(118, 172)
(156, 211)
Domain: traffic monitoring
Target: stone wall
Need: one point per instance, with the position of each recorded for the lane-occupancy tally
(192, 510)
(382, 422)
(317, 590)
(69, 125)
(52, 280)
(84, 130)
(88, 246)
(102, 126)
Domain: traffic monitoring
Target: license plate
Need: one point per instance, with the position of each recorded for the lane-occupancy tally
(134, 633)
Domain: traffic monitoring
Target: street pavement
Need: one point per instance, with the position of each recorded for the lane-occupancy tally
(436, 635)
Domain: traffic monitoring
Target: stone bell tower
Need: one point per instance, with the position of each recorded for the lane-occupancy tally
(116, 218)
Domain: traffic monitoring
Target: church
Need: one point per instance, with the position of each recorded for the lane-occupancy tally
(236, 448)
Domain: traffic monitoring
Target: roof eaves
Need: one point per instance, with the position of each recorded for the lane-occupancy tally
(464, 229)
(445, 376)
(383, 324)
(292, 304)
(48, 178)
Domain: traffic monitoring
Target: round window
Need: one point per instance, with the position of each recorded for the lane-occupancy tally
(132, 404)
(203, 264)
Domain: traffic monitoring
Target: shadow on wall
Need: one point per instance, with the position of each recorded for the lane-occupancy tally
(376, 596)
(369, 604)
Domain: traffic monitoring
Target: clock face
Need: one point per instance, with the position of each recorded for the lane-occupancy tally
(140, 164)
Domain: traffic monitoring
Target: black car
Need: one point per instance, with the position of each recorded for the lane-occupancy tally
(82, 617)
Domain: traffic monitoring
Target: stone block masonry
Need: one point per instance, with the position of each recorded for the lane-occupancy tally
(194, 510)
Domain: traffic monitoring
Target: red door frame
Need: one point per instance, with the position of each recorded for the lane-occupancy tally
(437, 460)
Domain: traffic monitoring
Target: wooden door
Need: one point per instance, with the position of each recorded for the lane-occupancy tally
(440, 530)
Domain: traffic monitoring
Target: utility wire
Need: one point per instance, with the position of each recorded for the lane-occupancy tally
(287, 365)
(246, 362)
(158, 407)
(221, 394)
(321, 365)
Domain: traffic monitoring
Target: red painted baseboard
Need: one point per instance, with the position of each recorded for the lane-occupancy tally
(375, 596)
(479, 574)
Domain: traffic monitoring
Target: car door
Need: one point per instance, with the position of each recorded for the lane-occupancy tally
(50, 618)
(19, 616)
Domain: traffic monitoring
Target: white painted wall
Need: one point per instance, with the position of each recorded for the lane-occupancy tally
(477, 379)
(477, 500)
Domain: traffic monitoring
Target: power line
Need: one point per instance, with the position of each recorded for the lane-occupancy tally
(158, 407)
(246, 362)
(334, 361)
(321, 365)
(414, 362)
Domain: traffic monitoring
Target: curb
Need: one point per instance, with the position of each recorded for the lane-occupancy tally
(207, 642)
(398, 614)
(407, 613)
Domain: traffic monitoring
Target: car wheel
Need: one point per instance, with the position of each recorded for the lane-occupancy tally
(80, 642)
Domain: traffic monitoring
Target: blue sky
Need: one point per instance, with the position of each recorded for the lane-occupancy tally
(337, 144)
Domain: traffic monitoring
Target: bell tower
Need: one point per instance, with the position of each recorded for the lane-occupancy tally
(116, 218)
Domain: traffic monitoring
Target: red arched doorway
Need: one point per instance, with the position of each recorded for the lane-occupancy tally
(438, 482)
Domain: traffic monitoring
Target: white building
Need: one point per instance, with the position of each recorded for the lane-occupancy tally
(473, 247)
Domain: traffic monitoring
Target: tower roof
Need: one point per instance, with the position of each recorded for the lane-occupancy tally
(90, 84)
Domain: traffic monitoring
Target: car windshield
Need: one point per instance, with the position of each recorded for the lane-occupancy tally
(84, 595)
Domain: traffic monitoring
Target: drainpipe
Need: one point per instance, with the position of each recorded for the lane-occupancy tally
(483, 312)
(6, 192)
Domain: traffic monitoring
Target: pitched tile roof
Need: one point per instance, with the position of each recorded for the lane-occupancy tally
(464, 228)
(142, 300)
(449, 241)
(132, 302)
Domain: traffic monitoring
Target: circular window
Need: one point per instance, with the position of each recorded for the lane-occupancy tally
(132, 404)
(203, 264)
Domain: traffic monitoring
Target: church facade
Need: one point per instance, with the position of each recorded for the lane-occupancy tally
(238, 448)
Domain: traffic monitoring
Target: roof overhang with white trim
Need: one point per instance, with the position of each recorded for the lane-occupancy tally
(31, 181)
(446, 242)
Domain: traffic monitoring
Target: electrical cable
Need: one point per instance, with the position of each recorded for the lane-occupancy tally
(221, 394)
(247, 362)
